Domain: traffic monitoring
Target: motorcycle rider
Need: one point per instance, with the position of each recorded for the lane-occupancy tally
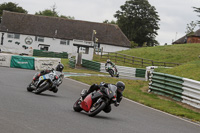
(120, 88)
(112, 64)
(59, 68)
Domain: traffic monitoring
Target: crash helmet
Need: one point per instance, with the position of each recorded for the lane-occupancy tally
(120, 86)
(108, 60)
(60, 67)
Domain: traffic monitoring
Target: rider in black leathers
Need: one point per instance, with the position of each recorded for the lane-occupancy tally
(120, 88)
(59, 68)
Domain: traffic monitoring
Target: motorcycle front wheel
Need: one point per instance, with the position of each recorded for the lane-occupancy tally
(42, 88)
(29, 88)
(96, 108)
(111, 72)
(76, 106)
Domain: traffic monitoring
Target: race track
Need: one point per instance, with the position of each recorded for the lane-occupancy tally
(25, 112)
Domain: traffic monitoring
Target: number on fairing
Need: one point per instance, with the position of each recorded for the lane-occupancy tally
(42, 77)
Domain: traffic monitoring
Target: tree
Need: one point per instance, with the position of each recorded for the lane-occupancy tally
(67, 17)
(198, 11)
(190, 27)
(111, 22)
(47, 12)
(52, 12)
(11, 7)
(139, 21)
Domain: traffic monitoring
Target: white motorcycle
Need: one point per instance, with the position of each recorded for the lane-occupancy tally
(112, 70)
(49, 81)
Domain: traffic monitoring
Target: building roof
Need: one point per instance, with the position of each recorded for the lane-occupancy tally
(62, 28)
(183, 39)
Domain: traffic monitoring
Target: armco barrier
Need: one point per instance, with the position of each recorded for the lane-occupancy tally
(140, 73)
(127, 71)
(43, 53)
(91, 65)
(177, 88)
(72, 63)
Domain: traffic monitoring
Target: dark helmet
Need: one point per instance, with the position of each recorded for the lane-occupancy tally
(59, 67)
(120, 86)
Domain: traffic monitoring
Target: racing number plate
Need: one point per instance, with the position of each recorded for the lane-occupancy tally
(42, 77)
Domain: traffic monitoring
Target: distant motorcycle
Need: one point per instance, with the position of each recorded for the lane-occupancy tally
(49, 81)
(96, 101)
(111, 70)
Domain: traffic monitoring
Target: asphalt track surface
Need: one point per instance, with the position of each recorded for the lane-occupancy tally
(25, 112)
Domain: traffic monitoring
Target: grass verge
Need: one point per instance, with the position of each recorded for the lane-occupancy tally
(189, 70)
(137, 91)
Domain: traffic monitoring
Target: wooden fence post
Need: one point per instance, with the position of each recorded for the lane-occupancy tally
(142, 62)
(115, 57)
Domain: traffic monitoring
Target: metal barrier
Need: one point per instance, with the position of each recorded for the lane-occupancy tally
(72, 62)
(91, 65)
(42, 53)
(127, 71)
(178, 88)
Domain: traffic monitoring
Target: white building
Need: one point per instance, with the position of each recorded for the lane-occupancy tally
(20, 33)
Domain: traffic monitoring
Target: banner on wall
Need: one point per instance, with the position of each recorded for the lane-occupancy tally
(5, 59)
(24, 62)
(46, 63)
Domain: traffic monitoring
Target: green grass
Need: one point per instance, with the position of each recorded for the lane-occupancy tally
(180, 53)
(189, 70)
(137, 91)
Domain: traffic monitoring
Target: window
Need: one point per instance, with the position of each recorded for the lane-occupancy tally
(15, 36)
(44, 48)
(10, 35)
(64, 42)
(39, 39)
(84, 50)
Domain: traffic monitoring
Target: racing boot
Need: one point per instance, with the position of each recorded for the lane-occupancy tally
(55, 90)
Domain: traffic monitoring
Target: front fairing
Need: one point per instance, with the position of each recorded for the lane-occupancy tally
(59, 79)
(111, 91)
(90, 100)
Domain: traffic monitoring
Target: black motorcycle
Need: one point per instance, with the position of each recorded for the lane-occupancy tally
(96, 101)
(49, 81)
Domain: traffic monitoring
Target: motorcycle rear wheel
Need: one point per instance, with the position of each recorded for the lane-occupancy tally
(42, 88)
(96, 109)
(76, 106)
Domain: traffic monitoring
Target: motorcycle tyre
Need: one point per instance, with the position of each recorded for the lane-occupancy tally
(42, 88)
(99, 109)
(111, 72)
(29, 89)
(77, 107)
